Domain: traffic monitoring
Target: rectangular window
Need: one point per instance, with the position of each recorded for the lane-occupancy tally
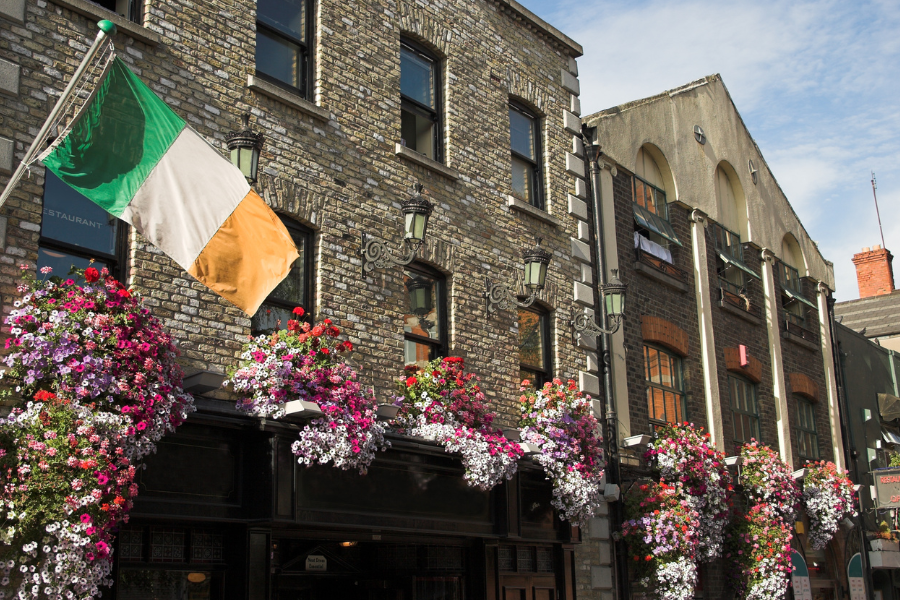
(75, 231)
(534, 346)
(807, 439)
(133, 10)
(283, 32)
(424, 322)
(744, 409)
(525, 145)
(665, 386)
(650, 198)
(420, 117)
(295, 290)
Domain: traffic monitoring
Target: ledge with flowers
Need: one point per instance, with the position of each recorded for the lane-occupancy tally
(302, 373)
(693, 512)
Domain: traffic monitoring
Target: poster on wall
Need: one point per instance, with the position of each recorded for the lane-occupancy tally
(855, 576)
(800, 577)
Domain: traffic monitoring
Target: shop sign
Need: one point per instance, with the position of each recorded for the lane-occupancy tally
(855, 576)
(800, 577)
(316, 562)
(887, 487)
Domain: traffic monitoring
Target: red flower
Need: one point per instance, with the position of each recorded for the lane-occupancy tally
(411, 381)
(123, 293)
(299, 311)
(348, 345)
(318, 330)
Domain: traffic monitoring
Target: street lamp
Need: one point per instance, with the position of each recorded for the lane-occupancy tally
(498, 294)
(613, 294)
(416, 212)
(245, 147)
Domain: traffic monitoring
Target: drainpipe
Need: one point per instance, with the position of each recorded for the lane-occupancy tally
(592, 154)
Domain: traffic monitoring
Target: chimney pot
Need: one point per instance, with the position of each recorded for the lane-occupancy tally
(874, 273)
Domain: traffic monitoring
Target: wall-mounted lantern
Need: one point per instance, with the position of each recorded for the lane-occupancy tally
(613, 294)
(416, 212)
(245, 147)
(499, 296)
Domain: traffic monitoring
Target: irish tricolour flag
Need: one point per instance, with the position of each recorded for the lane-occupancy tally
(129, 153)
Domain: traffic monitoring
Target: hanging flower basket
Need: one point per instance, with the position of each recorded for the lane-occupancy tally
(558, 420)
(758, 543)
(305, 364)
(660, 531)
(103, 387)
(443, 403)
(685, 458)
(828, 497)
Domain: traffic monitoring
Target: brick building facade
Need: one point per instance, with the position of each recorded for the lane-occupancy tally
(723, 325)
(345, 143)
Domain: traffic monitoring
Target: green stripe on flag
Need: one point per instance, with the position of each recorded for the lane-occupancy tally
(116, 141)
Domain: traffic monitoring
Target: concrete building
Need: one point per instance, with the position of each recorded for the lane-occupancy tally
(727, 323)
(359, 102)
(876, 314)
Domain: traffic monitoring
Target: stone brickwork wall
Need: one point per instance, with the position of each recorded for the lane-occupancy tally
(333, 164)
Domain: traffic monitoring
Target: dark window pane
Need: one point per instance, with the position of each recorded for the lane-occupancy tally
(532, 376)
(140, 584)
(70, 217)
(521, 134)
(417, 77)
(417, 132)
(288, 16)
(523, 179)
(278, 58)
(62, 262)
(417, 353)
(531, 339)
(292, 292)
(422, 306)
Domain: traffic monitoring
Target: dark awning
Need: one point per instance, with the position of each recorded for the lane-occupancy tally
(655, 223)
(798, 297)
(728, 260)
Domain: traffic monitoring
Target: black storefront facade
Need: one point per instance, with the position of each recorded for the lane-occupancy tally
(225, 512)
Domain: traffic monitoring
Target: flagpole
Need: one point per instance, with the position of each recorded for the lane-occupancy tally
(107, 29)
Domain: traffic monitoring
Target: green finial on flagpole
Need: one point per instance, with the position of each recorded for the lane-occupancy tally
(108, 27)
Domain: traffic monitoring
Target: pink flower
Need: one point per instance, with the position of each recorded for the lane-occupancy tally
(85, 518)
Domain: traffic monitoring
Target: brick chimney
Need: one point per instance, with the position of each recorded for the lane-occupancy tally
(873, 271)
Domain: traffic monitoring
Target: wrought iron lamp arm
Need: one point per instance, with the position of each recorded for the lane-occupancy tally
(500, 297)
(585, 325)
(376, 255)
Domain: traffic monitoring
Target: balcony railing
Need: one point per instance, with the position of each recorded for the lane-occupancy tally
(797, 326)
(737, 297)
(790, 279)
(660, 265)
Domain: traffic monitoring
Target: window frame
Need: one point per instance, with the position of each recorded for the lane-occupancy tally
(544, 374)
(678, 363)
(665, 204)
(306, 71)
(537, 171)
(411, 105)
(802, 431)
(293, 226)
(755, 417)
(736, 251)
(116, 262)
(440, 347)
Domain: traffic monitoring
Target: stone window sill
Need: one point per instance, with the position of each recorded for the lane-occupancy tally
(733, 310)
(423, 161)
(287, 97)
(93, 11)
(796, 339)
(532, 211)
(659, 276)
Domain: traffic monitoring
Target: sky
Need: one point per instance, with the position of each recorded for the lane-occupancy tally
(817, 83)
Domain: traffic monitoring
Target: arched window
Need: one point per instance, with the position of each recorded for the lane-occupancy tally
(75, 231)
(653, 232)
(789, 268)
(420, 101)
(424, 321)
(664, 375)
(534, 346)
(727, 234)
(294, 291)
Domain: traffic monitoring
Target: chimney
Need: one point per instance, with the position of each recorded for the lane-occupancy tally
(873, 271)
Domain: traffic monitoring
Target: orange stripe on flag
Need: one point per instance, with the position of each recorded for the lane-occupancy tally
(250, 254)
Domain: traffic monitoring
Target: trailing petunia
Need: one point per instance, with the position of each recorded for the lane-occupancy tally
(660, 531)
(306, 362)
(103, 387)
(558, 419)
(758, 544)
(767, 479)
(443, 403)
(828, 497)
(685, 458)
